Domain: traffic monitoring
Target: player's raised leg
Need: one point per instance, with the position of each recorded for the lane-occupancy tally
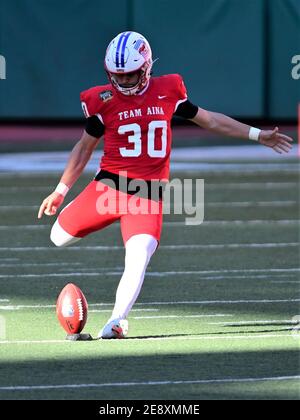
(139, 250)
(82, 216)
(60, 237)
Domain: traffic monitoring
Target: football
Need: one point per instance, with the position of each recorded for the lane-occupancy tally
(72, 309)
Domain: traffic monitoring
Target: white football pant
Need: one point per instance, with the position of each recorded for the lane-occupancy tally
(139, 250)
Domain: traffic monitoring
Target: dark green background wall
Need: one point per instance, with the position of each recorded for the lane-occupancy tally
(235, 55)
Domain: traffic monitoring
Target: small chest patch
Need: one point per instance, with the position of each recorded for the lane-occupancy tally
(107, 95)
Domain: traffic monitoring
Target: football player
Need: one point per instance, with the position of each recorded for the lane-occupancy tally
(133, 113)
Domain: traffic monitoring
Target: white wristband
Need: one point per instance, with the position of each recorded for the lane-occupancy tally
(62, 189)
(254, 133)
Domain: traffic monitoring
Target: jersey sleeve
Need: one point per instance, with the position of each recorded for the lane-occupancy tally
(90, 103)
(179, 90)
(182, 93)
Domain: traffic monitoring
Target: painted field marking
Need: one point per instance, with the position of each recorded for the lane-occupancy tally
(151, 383)
(200, 302)
(149, 274)
(256, 222)
(55, 264)
(238, 185)
(282, 203)
(251, 323)
(164, 247)
(182, 316)
(180, 338)
(286, 282)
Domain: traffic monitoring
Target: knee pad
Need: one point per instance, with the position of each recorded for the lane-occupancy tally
(60, 237)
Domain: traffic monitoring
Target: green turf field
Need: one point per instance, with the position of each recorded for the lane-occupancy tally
(215, 317)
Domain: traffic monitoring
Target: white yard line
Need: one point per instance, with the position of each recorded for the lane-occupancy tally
(132, 310)
(251, 185)
(174, 338)
(216, 302)
(165, 247)
(283, 222)
(207, 204)
(151, 383)
(234, 277)
(182, 316)
(240, 245)
(159, 303)
(150, 273)
(286, 282)
(57, 264)
(202, 272)
(209, 302)
(263, 185)
(13, 190)
(251, 323)
(250, 203)
(39, 307)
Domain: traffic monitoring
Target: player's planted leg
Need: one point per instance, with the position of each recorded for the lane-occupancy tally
(139, 250)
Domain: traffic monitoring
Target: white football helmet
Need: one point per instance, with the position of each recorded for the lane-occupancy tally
(129, 52)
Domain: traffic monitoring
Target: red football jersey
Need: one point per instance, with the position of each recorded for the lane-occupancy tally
(137, 136)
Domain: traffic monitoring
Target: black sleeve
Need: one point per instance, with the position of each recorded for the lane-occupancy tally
(94, 127)
(186, 110)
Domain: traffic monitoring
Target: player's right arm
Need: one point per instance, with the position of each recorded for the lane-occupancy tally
(78, 160)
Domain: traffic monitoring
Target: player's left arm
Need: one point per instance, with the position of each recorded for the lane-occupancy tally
(222, 124)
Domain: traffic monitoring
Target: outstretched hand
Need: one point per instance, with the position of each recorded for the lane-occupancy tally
(280, 143)
(51, 204)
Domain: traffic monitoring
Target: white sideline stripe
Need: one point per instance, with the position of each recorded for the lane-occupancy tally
(39, 264)
(165, 247)
(207, 204)
(251, 203)
(204, 338)
(182, 316)
(17, 207)
(286, 282)
(202, 302)
(250, 185)
(181, 224)
(118, 273)
(188, 302)
(151, 383)
(233, 277)
(173, 273)
(251, 323)
(226, 302)
(5, 190)
(132, 310)
(215, 337)
(243, 185)
(4, 300)
(149, 274)
(242, 245)
(18, 307)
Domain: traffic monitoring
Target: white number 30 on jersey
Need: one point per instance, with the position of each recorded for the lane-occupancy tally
(136, 139)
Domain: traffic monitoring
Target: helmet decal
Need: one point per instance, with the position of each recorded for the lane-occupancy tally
(121, 48)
